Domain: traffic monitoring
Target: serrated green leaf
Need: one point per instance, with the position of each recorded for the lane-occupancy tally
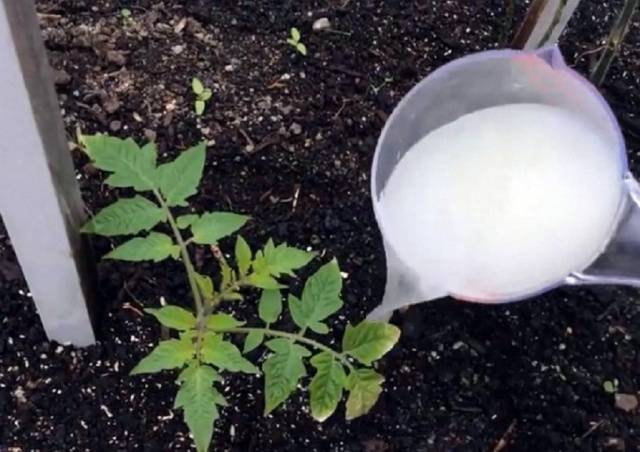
(199, 399)
(178, 180)
(125, 216)
(369, 341)
(270, 305)
(184, 221)
(213, 226)
(295, 34)
(206, 95)
(154, 247)
(319, 327)
(253, 340)
(284, 259)
(197, 86)
(205, 284)
(131, 165)
(223, 322)
(365, 387)
(320, 298)
(173, 317)
(301, 48)
(325, 389)
(243, 255)
(282, 371)
(199, 106)
(228, 275)
(225, 355)
(167, 355)
(263, 281)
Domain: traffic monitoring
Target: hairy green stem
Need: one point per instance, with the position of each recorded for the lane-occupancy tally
(614, 41)
(292, 336)
(190, 269)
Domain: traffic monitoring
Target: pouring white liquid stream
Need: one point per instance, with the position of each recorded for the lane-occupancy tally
(502, 201)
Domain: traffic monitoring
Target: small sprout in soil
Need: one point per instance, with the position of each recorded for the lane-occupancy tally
(294, 41)
(610, 387)
(127, 16)
(203, 348)
(203, 95)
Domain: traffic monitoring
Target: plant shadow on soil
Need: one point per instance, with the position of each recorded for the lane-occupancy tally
(290, 142)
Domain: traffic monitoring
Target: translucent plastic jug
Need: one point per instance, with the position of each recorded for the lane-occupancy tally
(489, 79)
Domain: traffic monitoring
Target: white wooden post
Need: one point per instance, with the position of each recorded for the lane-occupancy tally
(39, 198)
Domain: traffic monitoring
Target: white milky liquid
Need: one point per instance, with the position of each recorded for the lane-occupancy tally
(503, 202)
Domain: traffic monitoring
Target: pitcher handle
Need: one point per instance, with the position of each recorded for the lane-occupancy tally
(619, 264)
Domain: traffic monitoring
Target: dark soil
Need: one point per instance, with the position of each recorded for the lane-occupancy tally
(290, 142)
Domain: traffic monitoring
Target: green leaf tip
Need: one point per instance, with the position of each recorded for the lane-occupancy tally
(214, 226)
(173, 317)
(169, 354)
(179, 179)
(326, 387)
(199, 400)
(154, 247)
(369, 341)
(125, 217)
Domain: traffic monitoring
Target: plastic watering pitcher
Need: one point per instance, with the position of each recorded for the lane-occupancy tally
(490, 79)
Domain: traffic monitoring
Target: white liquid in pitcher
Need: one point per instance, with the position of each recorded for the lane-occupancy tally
(503, 202)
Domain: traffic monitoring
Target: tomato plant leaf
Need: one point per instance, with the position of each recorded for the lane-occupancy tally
(320, 298)
(223, 322)
(225, 356)
(283, 259)
(243, 255)
(184, 221)
(131, 165)
(369, 341)
(199, 400)
(125, 217)
(325, 389)
(173, 317)
(179, 179)
(154, 247)
(167, 355)
(213, 226)
(252, 341)
(283, 369)
(365, 387)
(270, 305)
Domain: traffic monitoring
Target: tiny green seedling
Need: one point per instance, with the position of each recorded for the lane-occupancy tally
(203, 347)
(294, 41)
(203, 95)
(126, 15)
(610, 386)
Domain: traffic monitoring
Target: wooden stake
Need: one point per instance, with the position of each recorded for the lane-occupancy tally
(39, 198)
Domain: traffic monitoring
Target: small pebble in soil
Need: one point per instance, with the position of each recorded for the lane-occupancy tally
(626, 402)
(321, 24)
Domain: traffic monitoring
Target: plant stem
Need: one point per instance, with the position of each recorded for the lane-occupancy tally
(614, 41)
(292, 336)
(190, 269)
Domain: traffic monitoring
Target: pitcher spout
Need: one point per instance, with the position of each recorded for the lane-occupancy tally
(552, 56)
(404, 288)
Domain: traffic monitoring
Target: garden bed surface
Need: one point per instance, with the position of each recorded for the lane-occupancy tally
(291, 141)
